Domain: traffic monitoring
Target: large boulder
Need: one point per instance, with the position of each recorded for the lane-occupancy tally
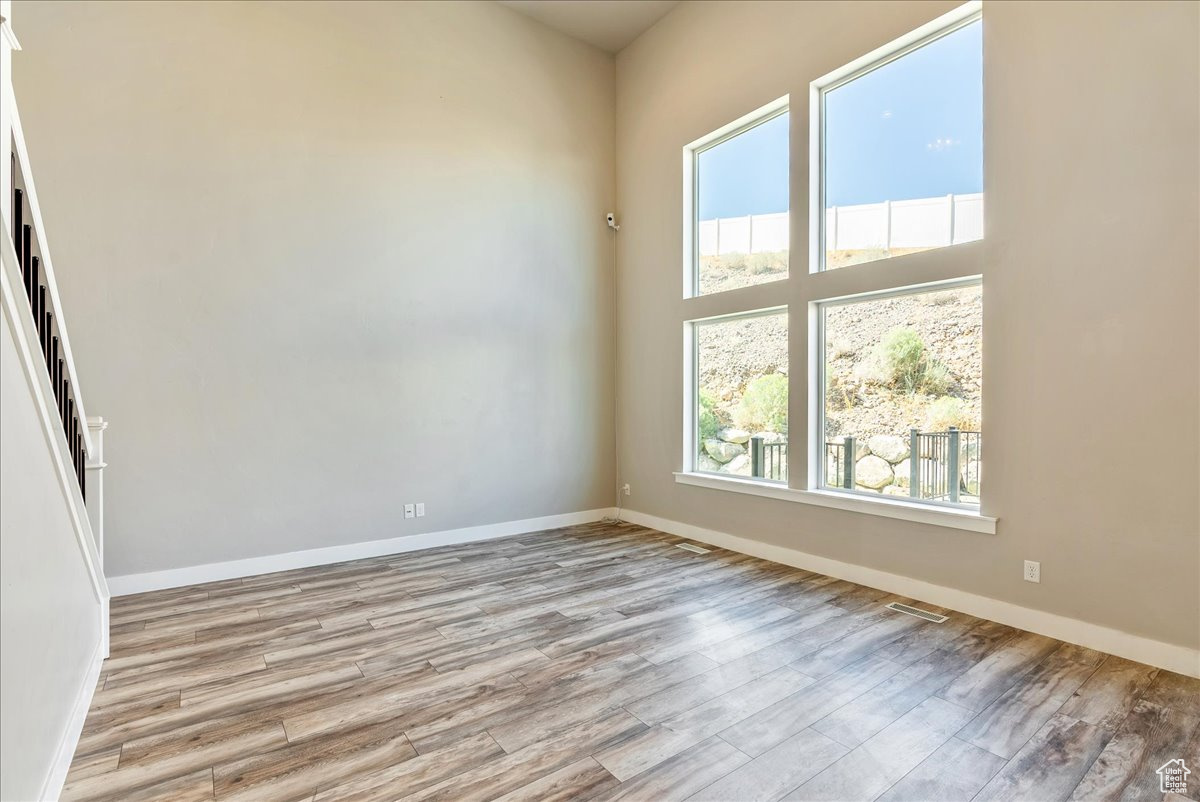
(721, 451)
(889, 446)
(707, 464)
(873, 472)
(739, 465)
(734, 435)
(771, 437)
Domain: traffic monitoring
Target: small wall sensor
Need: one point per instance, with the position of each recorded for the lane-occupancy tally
(612, 221)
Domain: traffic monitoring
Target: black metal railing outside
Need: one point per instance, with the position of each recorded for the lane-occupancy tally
(768, 460)
(944, 466)
(839, 463)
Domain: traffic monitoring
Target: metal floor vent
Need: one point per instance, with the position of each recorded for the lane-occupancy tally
(928, 616)
(692, 548)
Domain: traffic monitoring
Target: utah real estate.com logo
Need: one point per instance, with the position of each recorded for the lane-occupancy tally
(1172, 776)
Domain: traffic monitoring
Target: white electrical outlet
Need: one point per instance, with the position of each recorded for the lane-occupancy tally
(420, 509)
(1033, 571)
(625, 489)
(409, 511)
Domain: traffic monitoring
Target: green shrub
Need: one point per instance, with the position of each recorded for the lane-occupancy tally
(709, 423)
(904, 364)
(764, 405)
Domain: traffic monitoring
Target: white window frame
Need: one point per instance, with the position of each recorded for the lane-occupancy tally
(691, 190)
(893, 51)
(691, 372)
(803, 292)
(819, 462)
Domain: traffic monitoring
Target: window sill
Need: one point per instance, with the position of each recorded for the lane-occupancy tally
(887, 507)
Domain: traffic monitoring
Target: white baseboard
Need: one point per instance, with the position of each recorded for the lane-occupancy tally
(1133, 647)
(52, 788)
(252, 566)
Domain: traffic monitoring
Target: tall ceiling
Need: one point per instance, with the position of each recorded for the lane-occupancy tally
(608, 24)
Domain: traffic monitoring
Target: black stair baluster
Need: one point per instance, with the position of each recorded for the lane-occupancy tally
(34, 304)
(27, 262)
(18, 223)
(40, 320)
(46, 345)
(55, 368)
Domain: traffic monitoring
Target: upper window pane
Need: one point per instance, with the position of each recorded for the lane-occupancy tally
(903, 153)
(742, 209)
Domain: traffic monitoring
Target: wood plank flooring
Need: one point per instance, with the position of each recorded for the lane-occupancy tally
(599, 662)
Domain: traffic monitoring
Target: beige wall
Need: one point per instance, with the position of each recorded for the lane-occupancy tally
(324, 259)
(1091, 293)
(50, 626)
(256, 215)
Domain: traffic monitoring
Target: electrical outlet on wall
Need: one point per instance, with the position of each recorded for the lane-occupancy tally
(420, 509)
(625, 489)
(409, 511)
(1033, 571)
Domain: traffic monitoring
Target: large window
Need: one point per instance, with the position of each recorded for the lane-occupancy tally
(737, 218)
(872, 398)
(902, 151)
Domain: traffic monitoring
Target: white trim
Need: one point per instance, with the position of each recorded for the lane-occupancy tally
(252, 566)
(57, 776)
(1170, 656)
(884, 506)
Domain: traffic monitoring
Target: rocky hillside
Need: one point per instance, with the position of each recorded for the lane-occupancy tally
(862, 397)
(861, 401)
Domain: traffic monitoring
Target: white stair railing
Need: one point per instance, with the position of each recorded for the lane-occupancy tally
(34, 306)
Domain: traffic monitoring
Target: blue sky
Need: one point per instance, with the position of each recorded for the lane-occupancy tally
(910, 129)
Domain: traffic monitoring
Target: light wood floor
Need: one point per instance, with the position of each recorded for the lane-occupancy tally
(600, 662)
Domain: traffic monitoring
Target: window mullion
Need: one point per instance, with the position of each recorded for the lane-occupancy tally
(913, 270)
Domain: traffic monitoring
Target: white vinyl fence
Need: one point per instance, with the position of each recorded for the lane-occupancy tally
(918, 223)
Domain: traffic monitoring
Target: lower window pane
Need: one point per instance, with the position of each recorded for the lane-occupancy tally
(903, 381)
(742, 396)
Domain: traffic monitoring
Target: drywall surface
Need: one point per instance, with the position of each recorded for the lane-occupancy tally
(1091, 289)
(50, 621)
(323, 259)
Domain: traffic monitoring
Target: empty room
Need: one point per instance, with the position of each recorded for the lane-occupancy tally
(648, 400)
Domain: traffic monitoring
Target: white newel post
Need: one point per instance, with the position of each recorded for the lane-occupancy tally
(95, 507)
(95, 484)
